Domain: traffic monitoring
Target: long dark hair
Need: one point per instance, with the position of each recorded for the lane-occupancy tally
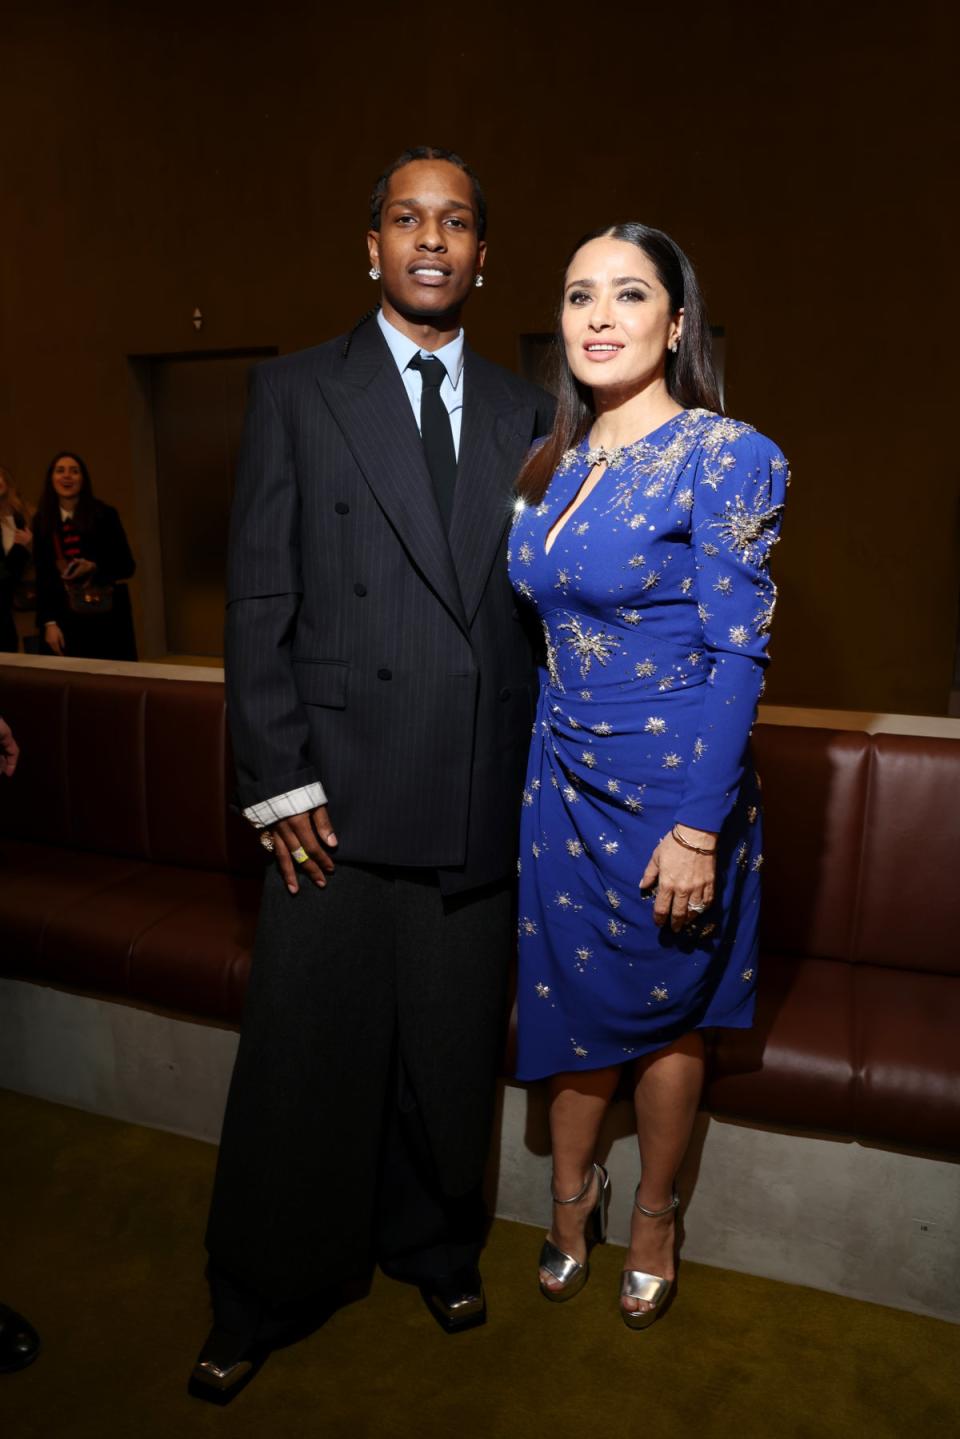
(47, 517)
(691, 379)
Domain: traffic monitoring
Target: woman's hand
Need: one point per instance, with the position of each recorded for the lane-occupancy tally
(78, 570)
(24, 538)
(684, 879)
(53, 636)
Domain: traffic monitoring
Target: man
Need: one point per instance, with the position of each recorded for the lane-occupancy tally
(380, 690)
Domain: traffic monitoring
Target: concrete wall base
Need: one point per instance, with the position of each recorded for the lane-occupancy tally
(875, 1224)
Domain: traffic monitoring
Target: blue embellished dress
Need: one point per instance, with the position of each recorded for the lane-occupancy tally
(656, 602)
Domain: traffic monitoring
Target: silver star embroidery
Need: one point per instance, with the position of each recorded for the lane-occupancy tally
(543, 990)
(672, 761)
(655, 725)
(587, 644)
(749, 530)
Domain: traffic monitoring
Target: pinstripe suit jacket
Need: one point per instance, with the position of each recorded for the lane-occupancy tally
(364, 648)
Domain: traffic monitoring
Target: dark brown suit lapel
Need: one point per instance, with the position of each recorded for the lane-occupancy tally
(495, 433)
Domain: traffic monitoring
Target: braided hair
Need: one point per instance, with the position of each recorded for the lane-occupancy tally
(362, 321)
(428, 152)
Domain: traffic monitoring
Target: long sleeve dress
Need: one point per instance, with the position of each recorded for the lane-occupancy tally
(656, 603)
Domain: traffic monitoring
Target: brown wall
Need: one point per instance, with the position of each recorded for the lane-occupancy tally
(161, 158)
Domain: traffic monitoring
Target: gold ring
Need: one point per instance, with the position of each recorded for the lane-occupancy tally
(299, 855)
(266, 839)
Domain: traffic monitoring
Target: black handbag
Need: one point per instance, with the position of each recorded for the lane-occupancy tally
(85, 597)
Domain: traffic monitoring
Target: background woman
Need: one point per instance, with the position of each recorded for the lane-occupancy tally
(82, 555)
(641, 539)
(16, 542)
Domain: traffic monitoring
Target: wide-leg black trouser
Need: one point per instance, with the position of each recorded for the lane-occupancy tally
(358, 1121)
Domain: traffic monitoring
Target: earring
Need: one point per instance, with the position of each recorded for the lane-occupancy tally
(373, 272)
(478, 281)
(674, 347)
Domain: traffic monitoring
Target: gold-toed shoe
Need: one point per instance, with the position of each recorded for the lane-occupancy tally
(571, 1274)
(651, 1289)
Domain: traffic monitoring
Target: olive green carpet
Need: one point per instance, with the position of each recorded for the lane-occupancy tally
(101, 1247)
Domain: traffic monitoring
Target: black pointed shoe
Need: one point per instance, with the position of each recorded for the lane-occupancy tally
(19, 1341)
(458, 1302)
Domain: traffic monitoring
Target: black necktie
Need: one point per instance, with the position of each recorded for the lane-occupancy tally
(437, 434)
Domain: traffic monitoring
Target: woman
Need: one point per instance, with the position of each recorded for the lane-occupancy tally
(16, 542)
(641, 539)
(82, 555)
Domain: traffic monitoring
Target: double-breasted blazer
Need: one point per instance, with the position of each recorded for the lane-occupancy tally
(365, 648)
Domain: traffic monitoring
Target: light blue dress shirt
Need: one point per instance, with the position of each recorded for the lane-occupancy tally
(403, 350)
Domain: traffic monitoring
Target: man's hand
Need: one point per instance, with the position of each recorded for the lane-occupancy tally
(312, 832)
(9, 749)
(53, 636)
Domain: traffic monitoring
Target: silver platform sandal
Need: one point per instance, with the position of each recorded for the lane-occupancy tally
(650, 1288)
(573, 1275)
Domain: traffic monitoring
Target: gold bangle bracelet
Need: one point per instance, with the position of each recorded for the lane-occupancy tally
(687, 845)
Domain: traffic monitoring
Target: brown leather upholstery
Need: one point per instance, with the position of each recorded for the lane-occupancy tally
(124, 873)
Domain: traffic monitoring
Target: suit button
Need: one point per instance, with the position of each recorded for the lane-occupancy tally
(384, 674)
(504, 693)
(342, 508)
(359, 590)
